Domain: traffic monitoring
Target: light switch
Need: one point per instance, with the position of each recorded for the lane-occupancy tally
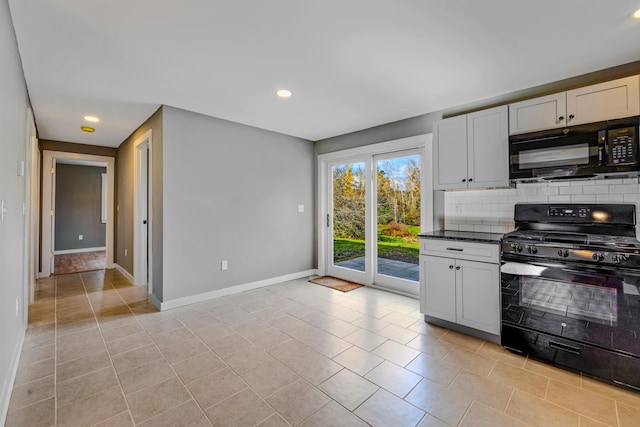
(300, 208)
(20, 167)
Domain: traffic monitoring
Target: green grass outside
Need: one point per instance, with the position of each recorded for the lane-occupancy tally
(399, 248)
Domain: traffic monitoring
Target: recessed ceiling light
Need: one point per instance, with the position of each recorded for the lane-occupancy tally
(93, 119)
(87, 129)
(637, 14)
(283, 93)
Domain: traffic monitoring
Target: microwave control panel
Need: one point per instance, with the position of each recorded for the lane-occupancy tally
(622, 146)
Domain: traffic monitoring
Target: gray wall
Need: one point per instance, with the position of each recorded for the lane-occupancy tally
(231, 192)
(79, 207)
(13, 112)
(124, 200)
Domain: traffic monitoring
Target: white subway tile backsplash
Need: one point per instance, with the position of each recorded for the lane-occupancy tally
(614, 181)
(537, 199)
(581, 198)
(570, 190)
(623, 188)
(548, 191)
(560, 199)
(596, 189)
(492, 210)
(609, 198)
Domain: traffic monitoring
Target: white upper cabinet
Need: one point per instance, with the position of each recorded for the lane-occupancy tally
(546, 112)
(450, 153)
(604, 101)
(471, 151)
(488, 148)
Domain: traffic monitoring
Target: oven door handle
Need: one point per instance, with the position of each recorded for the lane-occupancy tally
(520, 269)
(565, 347)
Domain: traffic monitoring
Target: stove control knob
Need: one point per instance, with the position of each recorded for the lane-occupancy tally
(532, 250)
(516, 247)
(598, 256)
(563, 253)
(620, 258)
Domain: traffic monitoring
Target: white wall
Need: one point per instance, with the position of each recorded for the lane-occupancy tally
(13, 113)
(492, 210)
(231, 192)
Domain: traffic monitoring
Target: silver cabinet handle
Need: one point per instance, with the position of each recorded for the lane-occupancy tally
(455, 249)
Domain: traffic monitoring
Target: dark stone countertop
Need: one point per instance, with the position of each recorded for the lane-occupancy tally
(469, 236)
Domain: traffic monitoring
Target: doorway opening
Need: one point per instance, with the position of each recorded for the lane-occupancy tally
(142, 215)
(51, 161)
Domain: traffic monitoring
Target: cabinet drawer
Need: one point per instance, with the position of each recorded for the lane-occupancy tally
(485, 252)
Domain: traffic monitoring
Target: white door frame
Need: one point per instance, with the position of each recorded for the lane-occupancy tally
(48, 203)
(325, 161)
(30, 210)
(142, 235)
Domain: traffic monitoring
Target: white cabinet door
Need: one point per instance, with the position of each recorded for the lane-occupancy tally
(439, 288)
(488, 148)
(605, 101)
(450, 153)
(542, 113)
(478, 295)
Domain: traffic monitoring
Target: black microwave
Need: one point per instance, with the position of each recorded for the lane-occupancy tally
(583, 151)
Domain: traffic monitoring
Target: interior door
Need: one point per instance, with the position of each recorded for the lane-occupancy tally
(396, 213)
(52, 218)
(348, 220)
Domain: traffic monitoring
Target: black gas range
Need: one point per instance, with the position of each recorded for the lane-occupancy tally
(571, 288)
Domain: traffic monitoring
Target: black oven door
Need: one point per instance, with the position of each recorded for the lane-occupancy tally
(578, 317)
(556, 154)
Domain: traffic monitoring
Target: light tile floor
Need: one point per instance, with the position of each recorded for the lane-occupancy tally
(97, 353)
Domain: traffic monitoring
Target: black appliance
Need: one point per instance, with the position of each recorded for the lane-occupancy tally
(570, 278)
(607, 148)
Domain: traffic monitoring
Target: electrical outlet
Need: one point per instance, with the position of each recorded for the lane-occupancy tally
(17, 306)
(224, 265)
(300, 208)
(80, 237)
(3, 210)
(125, 252)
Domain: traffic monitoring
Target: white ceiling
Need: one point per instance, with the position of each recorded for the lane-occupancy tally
(351, 64)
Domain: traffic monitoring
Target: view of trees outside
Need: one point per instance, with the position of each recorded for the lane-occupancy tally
(348, 212)
(398, 210)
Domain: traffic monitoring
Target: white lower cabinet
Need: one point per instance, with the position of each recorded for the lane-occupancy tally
(461, 291)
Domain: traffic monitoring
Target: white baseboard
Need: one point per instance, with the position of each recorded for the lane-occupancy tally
(79, 251)
(179, 302)
(5, 395)
(155, 302)
(124, 272)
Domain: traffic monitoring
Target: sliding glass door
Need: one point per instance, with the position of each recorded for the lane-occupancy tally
(373, 218)
(397, 220)
(347, 220)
